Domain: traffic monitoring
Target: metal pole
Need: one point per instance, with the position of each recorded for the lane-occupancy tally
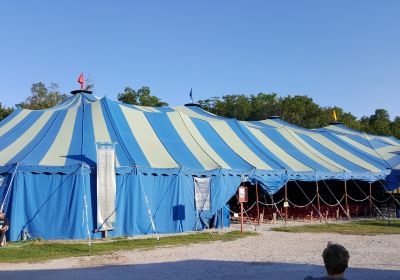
(345, 196)
(286, 208)
(241, 217)
(258, 206)
(393, 200)
(222, 217)
(370, 199)
(318, 202)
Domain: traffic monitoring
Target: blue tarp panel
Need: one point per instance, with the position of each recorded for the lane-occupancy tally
(52, 206)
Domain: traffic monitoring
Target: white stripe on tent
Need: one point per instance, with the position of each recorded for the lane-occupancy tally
(67, 104)
(389, 152)
(311, 152)
(203, 142)
(180, 126)
(342, 130)
(293, 163)
(276, 124)
(368, 136)
(342, 152)
(236, 144)
(254, 125)
(389, 140)
(146, 109)
(57, 153)
(140, 108)
(185, 110)
(14, 122)
(153, 149)
(358, 145)
(99, 126)
(22, 141)
(151, 109)
(389, 149)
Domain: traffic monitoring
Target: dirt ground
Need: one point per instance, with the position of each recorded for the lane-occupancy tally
(269, 255)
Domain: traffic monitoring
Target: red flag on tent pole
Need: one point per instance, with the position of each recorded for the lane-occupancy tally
(81, 80)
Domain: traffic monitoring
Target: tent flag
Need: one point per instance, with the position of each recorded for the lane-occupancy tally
(81, 80)
(334, 115)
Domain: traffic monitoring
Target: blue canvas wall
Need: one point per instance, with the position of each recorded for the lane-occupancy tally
(52, 206)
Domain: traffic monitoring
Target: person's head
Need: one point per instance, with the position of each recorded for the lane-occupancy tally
(2, 215)
(336, 259)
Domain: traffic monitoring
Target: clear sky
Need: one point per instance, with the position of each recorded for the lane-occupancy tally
(344, 53)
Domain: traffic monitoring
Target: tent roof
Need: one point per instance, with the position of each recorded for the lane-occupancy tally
(184, 139)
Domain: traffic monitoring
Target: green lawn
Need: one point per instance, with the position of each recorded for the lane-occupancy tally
(38, 251)
(370, 227)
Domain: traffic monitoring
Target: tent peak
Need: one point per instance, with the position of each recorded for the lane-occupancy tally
(74, 92)
(192, 105)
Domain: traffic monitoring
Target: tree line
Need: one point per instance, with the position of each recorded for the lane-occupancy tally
(300, 110)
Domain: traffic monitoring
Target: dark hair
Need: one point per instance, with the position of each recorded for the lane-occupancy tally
(336, 258)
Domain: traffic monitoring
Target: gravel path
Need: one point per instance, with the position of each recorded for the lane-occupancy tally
(270, 255)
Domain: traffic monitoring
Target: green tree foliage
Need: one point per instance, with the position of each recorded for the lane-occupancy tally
(43, 97)
(379, 123)
(5, 111)
(300, 110)
(140, 97)
(395, 127)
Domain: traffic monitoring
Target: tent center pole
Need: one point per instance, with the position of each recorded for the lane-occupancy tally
(318, 202)
(241, 217)
(370, 199)
(346, 201)
(286, 201)
(222, 217)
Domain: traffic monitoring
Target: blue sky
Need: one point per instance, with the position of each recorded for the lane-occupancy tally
(344, 53)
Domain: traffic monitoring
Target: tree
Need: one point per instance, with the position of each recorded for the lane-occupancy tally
(146, 99)
(141, 97)
(43, 97)
(395, 127)
(379, 123)
(264, 105)
(5, 111)
(302, 111)
(128, 96)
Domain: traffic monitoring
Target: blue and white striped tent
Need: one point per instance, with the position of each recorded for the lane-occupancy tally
(309, 155)
(388, 148)
(48, 164)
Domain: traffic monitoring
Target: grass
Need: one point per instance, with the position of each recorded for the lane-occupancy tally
(370, 227)
(38, 251)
